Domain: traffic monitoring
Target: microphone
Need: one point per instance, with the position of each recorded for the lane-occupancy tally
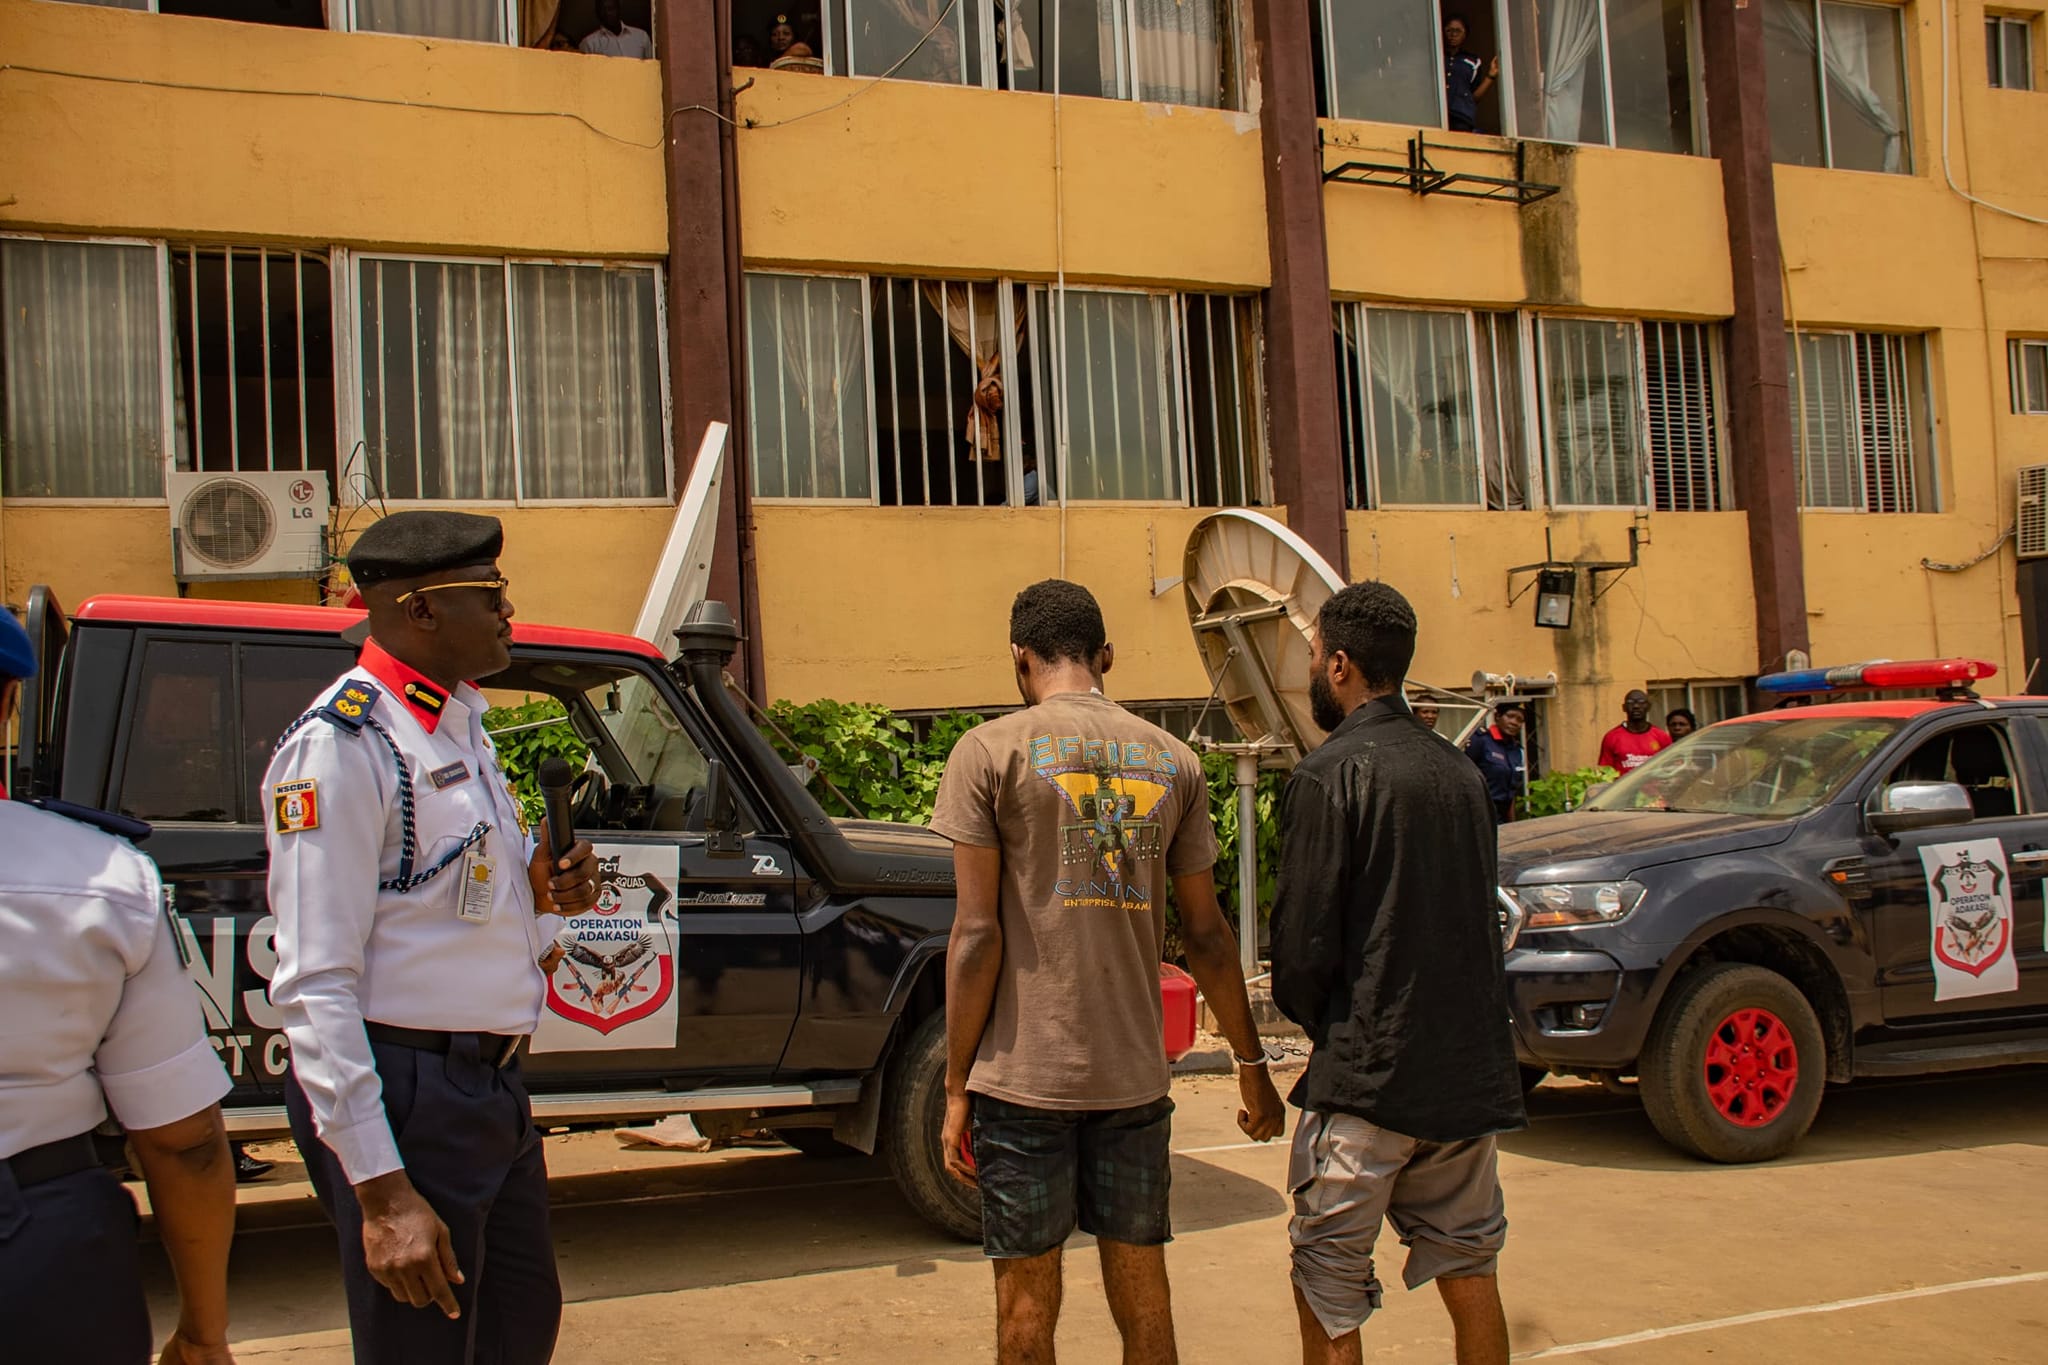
(556, 777)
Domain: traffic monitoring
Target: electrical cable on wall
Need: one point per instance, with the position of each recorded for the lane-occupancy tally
(1936, 566)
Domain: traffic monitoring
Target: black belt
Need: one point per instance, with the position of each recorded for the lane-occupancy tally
(66, 1156)
(498, 1049)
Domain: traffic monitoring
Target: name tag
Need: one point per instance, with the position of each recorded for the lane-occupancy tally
(444, 778)
(478, 889)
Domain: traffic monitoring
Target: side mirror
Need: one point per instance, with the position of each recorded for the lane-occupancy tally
(721, 815)
(1903, 806)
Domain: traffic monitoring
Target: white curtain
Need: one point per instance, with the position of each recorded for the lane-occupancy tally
(1853, 47)
(807, 340)
(1180, 51)
(1591, 428)
(479, 21)
(436, 381)
(1571, 60)
(82, 357)
(1823, 373)
(1422, 406)
(589, 396)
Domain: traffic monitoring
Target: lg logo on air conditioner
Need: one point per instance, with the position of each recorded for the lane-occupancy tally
(302, 493)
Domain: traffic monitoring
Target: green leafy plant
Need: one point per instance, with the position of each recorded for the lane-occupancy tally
(1560, 792)
(1221, 770)
(526, 735)
(868, 753)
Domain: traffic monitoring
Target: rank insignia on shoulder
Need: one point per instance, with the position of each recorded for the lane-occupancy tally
(350, 706)
(295, 806)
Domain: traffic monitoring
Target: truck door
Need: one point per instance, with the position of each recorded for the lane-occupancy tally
(1980, 755)
(203, 713)
(689, 968)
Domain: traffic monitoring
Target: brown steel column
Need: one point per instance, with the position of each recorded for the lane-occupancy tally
(704, 348)
(1301, 356)
(1760, 444)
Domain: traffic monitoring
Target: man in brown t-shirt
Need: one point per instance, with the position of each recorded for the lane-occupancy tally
(1068, 821)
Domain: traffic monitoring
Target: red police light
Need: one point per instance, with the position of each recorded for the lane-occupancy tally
(1883, 675)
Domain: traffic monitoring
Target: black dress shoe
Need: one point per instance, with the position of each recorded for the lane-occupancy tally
(248, 1168)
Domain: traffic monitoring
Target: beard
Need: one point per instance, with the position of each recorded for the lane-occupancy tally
(1323, 705)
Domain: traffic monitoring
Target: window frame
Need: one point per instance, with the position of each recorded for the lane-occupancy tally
(167, 408)
(1002, 75)
(1908, 161)
(1714, 333)
(2002, 21)
(351, 415)
(1639, 396)
(1362, 310)
(1927, 500)
(2025, 402)
(341, 18)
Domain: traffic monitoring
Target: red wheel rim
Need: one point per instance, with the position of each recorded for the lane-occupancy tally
(1752, 1067)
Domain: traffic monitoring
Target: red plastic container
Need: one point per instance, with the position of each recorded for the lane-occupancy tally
(1177, 994)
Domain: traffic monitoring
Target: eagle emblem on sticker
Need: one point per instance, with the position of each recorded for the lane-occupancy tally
(295, 806)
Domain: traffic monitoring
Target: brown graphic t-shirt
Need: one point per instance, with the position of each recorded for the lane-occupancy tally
(1094, 811)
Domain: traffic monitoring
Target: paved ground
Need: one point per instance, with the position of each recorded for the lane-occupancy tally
(1911, 1226)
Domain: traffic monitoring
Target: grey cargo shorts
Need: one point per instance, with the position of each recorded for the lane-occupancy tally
(1347, 1174)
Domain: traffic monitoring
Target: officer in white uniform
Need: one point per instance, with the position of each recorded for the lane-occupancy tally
(96, 1011)
(412, 910)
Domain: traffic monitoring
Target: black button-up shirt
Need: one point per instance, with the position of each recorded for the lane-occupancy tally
(1386, 935)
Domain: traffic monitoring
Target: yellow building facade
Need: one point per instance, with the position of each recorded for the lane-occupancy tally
(199, 137)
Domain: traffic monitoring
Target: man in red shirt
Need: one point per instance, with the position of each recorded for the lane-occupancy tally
(1631, 744)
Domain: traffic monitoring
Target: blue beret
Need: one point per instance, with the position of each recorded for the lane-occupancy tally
(410, 544)
(17, 655)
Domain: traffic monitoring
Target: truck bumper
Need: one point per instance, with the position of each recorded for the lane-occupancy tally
(1577, 1009)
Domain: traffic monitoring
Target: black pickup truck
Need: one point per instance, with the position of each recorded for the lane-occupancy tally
(777, 969)
(1803, 896)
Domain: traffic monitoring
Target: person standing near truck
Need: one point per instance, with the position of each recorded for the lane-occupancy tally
(1635, 741)
(97, 1013)
(411, 908)
(1068, 821)
(1387, 951)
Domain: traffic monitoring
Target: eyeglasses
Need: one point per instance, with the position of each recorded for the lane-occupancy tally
(496, 585)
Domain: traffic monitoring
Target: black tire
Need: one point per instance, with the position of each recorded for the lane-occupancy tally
(816, 1143)
(913, 1114)
(1734, 1065)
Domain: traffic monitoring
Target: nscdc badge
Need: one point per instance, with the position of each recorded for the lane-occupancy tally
(295, 806)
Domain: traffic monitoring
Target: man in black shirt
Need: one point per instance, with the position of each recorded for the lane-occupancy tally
(1386, 949)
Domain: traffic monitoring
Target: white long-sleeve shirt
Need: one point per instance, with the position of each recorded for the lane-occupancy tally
(95, 1008)
(349, 952)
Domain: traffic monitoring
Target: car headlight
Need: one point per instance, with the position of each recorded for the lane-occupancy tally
(1572, 905)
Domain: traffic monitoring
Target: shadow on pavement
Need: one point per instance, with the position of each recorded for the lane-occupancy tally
(677, 1226)
(1585, 1125)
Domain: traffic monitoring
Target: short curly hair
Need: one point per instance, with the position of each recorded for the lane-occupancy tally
(1058, 621)
(1375, 628)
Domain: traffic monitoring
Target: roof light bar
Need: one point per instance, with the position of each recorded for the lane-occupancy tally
(1879, 675)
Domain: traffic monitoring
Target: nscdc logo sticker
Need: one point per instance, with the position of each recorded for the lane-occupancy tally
(295, 806)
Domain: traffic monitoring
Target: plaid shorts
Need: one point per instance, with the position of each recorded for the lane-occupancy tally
(1044, 1170)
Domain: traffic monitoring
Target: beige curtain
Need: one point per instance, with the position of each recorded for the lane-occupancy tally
(973, 321)
(537, 20)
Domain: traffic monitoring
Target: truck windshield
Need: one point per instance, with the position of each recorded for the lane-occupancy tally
(1776, 768)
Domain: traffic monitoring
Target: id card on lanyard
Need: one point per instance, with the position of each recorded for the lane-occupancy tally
(479, 886)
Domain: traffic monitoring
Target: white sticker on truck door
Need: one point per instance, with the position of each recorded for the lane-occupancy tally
(615, 987)
(1969, 901)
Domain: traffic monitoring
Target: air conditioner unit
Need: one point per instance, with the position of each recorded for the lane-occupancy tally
(249, 525)
(2031, 538)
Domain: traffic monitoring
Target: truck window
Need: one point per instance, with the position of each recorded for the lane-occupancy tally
(180, 763)
(280, 683)
(1976, 757)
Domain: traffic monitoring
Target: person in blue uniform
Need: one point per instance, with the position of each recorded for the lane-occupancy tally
(413, 910)
(1467, 78)
(1497, 749)
(97, 1014)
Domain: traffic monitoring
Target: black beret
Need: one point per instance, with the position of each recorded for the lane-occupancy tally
(410, 544)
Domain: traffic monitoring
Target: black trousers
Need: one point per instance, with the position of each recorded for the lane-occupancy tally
(465, 1131)
(70, 1278)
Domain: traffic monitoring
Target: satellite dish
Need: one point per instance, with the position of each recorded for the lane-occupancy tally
(1253, 590)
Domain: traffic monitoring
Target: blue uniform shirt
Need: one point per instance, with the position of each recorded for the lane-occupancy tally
(1500, 762)
(1462, 73)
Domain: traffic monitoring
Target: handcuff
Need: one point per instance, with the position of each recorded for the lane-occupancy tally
(1267, 1056)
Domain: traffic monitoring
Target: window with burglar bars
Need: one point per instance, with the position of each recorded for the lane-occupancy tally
(511, 380)
(252, 338)
(1434, 409)
(2009, 51)
(2028, 362)
(1682, 389)
(1862, 422)
(931, 393)
(1710, 702)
